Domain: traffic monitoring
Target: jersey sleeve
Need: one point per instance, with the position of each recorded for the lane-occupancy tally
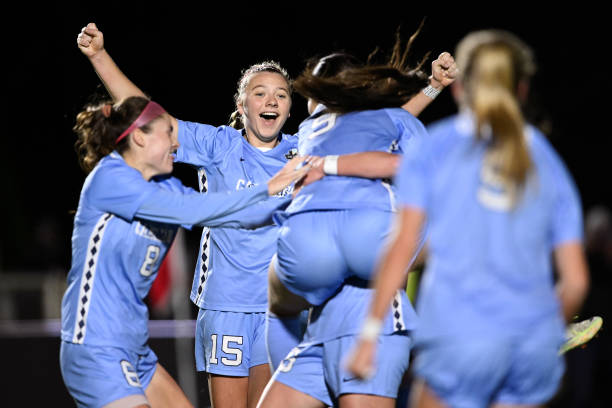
(117, 188)
(210, 209)
(567, 223)
(200, 144)
(256, 215)
(409, 128)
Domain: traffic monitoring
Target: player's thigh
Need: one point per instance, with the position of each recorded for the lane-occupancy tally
(421, 396)
(259, 376)
(228, 392)
(300, 378)
(281, 301)
(98, 376)
(164, 392)
(279, 395)
(308, 261)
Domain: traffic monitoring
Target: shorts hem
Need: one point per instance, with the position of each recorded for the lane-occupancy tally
(327, 402)
(226, 373)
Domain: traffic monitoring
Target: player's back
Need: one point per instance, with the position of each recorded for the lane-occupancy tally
(324, 133)
(490, 244)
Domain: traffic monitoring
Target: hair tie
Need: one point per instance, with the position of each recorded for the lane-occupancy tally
(106, 110)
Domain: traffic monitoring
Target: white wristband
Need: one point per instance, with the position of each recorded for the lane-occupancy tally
(371, 329)
(431, 92)
(330, 165)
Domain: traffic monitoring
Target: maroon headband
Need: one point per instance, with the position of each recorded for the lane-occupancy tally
(150, 112)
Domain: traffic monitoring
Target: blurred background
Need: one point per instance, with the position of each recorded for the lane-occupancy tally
(189, 59)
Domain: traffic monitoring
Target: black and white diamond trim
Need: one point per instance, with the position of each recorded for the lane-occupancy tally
(202, 180)
(204, 261)
(396, 309)
(87, 279)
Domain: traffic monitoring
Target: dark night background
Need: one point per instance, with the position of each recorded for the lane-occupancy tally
(189, 60)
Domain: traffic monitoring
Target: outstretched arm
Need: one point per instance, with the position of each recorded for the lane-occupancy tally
(443, 73)
(91, 43)
(373, 164)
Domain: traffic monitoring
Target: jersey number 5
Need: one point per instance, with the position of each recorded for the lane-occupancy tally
(322, 124)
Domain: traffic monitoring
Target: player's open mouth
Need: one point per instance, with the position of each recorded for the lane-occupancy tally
(269, 115)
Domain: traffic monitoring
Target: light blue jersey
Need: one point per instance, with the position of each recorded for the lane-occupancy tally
(122, 229)
(232, 265)
(318, 249)
(385, 130)
(489, 268)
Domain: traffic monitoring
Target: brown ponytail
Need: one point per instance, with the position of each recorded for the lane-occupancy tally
(98, 126)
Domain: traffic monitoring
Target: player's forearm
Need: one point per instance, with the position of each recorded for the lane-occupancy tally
(573, 283)
(116, 83)
(391, 273)
(417, 104)
(368, 164)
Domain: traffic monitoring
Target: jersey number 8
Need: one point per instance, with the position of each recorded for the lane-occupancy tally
(148, 266)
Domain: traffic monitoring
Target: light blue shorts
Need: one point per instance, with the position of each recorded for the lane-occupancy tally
(318, 250)
(230, 343)
(478, 373)
(318, 370)
(96, 375)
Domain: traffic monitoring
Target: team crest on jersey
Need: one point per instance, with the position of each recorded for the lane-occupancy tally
(291, 153)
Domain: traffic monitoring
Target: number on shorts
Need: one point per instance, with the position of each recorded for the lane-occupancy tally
(287, 364)
(327, 121)
(225, 347)
(131, 376)
(148, 266)
(213, 354)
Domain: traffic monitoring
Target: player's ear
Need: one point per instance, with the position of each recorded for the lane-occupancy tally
(138, 137)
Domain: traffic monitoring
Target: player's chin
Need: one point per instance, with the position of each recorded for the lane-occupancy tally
(270, 133)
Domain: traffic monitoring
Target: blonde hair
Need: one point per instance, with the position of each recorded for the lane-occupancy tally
(267, 66)
(493, 62)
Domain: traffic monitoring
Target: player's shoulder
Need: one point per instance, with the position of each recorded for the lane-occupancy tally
(203, 128)
(291, 139)
(111, 174)
(112, 168)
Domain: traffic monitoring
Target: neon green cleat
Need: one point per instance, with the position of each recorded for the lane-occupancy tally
(579, 333)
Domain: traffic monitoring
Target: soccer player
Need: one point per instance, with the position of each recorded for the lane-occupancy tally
(499, 204)
(334, 231)
(128, 214)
